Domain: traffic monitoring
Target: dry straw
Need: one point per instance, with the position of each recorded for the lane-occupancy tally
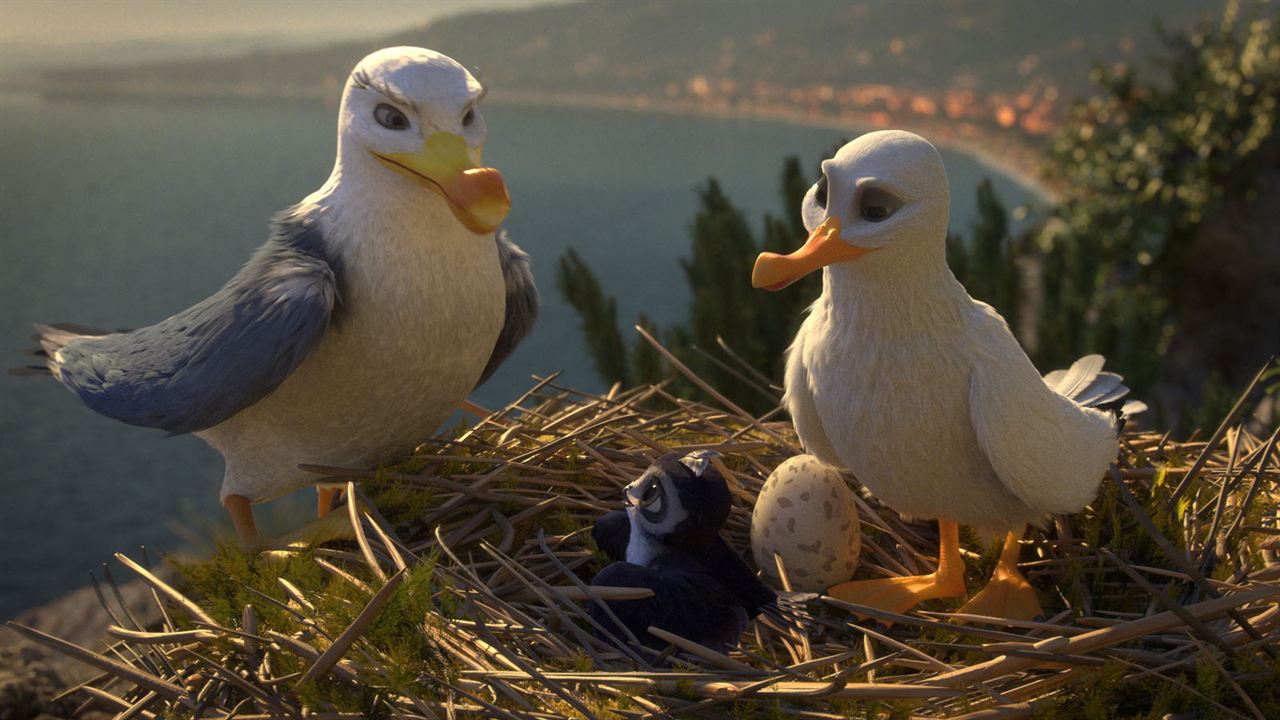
(500, 524)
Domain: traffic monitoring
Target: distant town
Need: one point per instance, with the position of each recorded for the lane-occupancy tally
(993, 78)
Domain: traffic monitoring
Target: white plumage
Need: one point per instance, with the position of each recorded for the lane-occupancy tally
(917, 388)
(422, 306)
(379, 302)
(422, 296)
(932, 404)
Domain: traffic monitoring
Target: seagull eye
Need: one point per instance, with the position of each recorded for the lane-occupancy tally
(820, 194)
(390, 117)
(877, 204)
(469, 118)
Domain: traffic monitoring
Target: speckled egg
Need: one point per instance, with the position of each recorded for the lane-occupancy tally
(807, 515)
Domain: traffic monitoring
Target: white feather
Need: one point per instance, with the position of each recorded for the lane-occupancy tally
(1047, 449)
(423, 304)
(920, 391)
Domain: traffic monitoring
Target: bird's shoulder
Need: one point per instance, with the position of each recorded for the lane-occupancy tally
(198, 367)
(293, 274)
(990, 339)
(297, 241)
(521, 302)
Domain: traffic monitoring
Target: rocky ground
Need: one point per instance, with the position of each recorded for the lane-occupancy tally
(31, 674)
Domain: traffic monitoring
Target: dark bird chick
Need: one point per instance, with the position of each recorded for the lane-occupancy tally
(667, 539)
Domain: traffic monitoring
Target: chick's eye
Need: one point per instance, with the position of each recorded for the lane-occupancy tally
(469, 117)
(651, 494)
(877, 204)
(820, 194)
(390, 117)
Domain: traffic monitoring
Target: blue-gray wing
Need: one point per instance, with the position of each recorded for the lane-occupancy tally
(522, 303)
(205, 364)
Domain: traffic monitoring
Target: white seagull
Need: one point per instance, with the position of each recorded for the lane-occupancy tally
(920, 390)
(375, 307)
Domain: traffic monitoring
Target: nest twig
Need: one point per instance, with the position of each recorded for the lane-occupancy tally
(477, 551)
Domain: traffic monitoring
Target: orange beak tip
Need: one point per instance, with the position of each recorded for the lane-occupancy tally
(757, 273)
(479, 199)
(764, 274)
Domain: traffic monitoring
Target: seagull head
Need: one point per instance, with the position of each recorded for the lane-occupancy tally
(884, 193)
(411, 115)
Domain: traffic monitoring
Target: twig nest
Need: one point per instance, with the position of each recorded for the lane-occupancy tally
(806, 515)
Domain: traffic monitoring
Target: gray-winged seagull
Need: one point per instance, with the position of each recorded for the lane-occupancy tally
(375, 307)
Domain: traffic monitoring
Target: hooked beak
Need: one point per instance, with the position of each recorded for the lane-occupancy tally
(476, 195)
(824, 246)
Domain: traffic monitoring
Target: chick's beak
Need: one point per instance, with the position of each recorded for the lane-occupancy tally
(824, 246)
(476, 195)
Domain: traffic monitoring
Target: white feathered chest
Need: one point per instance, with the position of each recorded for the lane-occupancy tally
(422, 304)
(904, 379)
(889, 383)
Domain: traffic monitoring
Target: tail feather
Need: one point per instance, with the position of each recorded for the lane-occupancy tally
(72, 328)
(1132, 407)
(1088, 385)
(1054, 379)
(53, 338)
(25, 370)
(1119, 392)
(1081, 374)
(1103, 386)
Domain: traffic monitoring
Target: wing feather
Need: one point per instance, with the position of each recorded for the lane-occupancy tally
(1046, 449)
(522, 303)
(1080, 375)
(1103, 386)
(1054, 378)
(203, 365)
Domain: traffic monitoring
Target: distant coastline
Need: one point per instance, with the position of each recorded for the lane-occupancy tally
(1016, 160)
(1003, 153)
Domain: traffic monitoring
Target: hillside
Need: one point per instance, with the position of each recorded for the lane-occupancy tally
(465, 593)
(1002, 64)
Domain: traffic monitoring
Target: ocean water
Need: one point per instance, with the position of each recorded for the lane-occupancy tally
(116, 214)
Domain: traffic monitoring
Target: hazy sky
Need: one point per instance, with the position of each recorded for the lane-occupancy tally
(63, 22)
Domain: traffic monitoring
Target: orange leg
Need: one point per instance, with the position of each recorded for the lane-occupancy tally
(1008, 595)
(900, 594)
(241, 512)
(325, 497)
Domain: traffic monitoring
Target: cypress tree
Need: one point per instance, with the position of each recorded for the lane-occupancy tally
(598, 315)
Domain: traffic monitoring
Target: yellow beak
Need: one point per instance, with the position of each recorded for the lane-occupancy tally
(824, 246)
(476, 195)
